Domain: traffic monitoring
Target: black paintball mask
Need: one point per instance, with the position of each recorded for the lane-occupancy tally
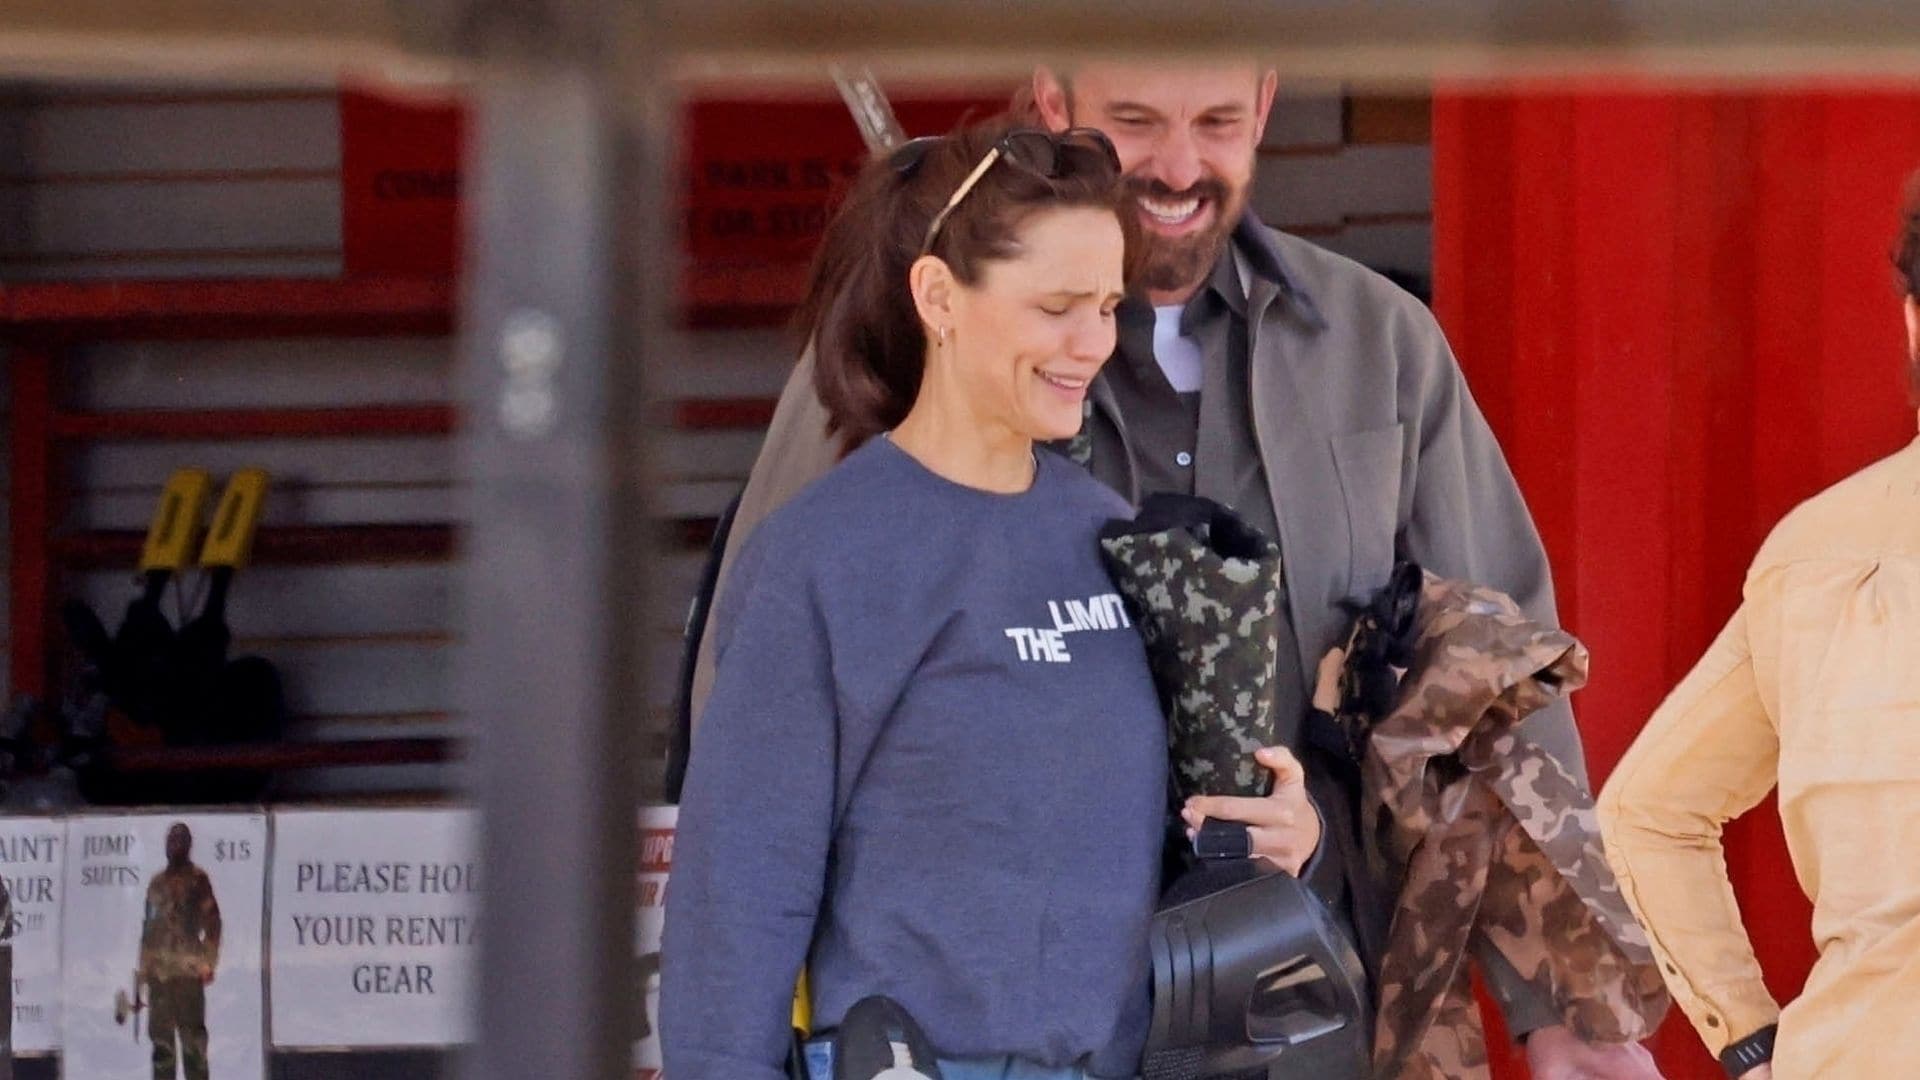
(1250, 968)
(1249, 975)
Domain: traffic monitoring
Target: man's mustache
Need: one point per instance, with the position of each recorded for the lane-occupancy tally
(1207, 188)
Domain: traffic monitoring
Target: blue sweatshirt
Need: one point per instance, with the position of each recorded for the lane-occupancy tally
(933, 767)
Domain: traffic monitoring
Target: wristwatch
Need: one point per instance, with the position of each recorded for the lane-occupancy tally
(1755, 1049)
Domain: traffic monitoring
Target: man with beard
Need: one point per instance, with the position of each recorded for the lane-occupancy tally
(1314, 397)
(179, 948)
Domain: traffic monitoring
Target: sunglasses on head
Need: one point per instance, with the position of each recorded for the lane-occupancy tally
(1045, 154)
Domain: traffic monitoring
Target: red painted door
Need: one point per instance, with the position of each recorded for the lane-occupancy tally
(1677, 310)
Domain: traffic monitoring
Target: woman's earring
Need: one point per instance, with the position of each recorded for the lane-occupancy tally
(943, 335)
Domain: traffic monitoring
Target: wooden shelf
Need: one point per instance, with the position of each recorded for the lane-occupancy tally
(365, 421)
(229, 309)
(297, 545)
(724, 414)
(710, 295)
(265, 757)
(745, 294)
(356, 422)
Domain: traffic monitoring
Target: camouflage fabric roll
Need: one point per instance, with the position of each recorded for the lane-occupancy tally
(1203, 587)
(1486, 834)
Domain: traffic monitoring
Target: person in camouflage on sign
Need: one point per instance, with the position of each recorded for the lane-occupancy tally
(179, 949)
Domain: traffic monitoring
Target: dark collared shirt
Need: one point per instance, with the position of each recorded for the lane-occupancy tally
(1193, 443)
(1204, 445)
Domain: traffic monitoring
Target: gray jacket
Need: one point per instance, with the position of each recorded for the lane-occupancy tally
(1374, 450)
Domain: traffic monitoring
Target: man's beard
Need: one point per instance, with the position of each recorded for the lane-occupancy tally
(1170, 263)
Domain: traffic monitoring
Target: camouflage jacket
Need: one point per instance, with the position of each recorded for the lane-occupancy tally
(1480, 832)
(180, 933)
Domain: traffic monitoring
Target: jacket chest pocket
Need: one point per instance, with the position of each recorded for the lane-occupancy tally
(1368, 464)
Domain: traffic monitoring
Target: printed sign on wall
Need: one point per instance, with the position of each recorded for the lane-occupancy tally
(656, 859)
(373, 927)
(399, 185)
(161, 946)
(759, 177)
(31, 858)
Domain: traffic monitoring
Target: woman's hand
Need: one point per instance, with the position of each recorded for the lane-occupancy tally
(1284, 826)
(1555, 1053)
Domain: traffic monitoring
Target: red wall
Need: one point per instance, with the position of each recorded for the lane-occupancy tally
(1677, 310)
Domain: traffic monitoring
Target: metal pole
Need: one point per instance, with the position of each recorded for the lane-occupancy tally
(566, 241)
(7, 927)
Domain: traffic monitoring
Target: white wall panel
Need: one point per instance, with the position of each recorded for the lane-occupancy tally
(291, 373)
(392, 460)
(1406, 247)
(185, 266)
(129, 135)
(213, 217)
(1305, 116)
(15, 121)
(1359, 181)
(289, 503)
(128, 185)
(727, 364)
(15, 202)
(360, 678)
(311, 601)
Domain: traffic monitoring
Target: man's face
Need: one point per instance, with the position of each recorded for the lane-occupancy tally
(1187, 137)
(179, 844)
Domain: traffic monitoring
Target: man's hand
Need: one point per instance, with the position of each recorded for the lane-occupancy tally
(1284, 826)
(1553, 1053)
(205, 971)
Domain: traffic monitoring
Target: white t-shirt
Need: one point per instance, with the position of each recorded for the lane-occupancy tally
(1177, 354)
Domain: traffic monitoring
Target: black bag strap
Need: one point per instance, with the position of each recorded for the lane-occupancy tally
(680, 737)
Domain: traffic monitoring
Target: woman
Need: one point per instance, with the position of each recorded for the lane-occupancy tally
(1813, 686)
(933, 764)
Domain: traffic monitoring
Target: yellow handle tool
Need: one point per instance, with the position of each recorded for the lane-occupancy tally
(176, 521)
(236, 520)
(802, 1007)
(802, 1026)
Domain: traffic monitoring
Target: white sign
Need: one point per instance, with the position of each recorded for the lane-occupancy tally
(373, 927)
(656, 859)
(31, 855)
(161, 945)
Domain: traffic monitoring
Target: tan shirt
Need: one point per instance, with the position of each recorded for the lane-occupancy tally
(1813, 685)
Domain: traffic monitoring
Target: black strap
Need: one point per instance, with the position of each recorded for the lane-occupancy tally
(1188, 1063)
(680, 739)
(1217, 839)
(1750, 1052)
(797, 1057)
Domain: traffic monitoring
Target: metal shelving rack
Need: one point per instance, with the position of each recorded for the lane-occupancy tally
(43, 325)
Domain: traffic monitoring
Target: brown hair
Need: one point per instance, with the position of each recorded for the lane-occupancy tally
(1906, 259)
(869, 344)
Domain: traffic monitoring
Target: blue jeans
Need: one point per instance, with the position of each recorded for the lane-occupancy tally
(820, 1067)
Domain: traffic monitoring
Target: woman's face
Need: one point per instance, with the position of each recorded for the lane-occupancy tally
(1030, 335)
